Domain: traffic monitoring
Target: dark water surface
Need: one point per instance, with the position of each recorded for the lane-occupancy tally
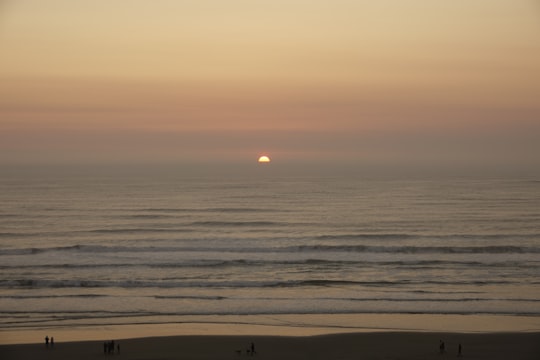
(126, 249)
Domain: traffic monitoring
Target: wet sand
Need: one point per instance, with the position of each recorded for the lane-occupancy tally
(378, 345)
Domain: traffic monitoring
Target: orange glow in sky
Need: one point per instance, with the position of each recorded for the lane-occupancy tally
(427, 83)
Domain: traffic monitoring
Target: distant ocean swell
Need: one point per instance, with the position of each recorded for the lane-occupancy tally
(60, 317)
(424, 264)
(286, 249)
(145, 250)
(180, 297)
(182, 283)
(173, 228)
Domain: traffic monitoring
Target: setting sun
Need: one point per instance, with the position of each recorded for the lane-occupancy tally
(264, 159)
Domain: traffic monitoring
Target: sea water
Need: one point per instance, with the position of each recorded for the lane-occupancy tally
(101, 249)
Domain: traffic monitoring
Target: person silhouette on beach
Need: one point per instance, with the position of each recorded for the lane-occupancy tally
(253, 349)
(441, 346)
(47, 341)
(459, 350)
(52, 341)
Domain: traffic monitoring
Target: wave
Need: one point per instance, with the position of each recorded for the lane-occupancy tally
(364, 236)
(353, 299)
(184, 297)
(55, 318)
(131, 231)
(405, 236)
(12, 234)
(91, 296)
(189, 283)
(320, 248)
(317, 263)
(194, 226)
(423, 249)
(66, 296)
(211, 210)
(137, 230)
(89, 249)
(164, 213)
(9, 215)
(238, 223)
(148, 216)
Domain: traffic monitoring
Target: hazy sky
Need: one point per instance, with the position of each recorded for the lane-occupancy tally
(431, 83)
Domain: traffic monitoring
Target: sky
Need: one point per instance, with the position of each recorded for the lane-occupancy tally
(418, 84)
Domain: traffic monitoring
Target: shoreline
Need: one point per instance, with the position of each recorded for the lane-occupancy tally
(299, 325)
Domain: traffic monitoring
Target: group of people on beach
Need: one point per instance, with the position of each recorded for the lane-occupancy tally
(108, 347)
(49, 341)
(249, 351)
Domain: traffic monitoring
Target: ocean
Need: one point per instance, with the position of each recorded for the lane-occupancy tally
(98, 249)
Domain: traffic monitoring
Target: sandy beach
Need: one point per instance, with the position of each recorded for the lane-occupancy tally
(381, 345)
(396, 336)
